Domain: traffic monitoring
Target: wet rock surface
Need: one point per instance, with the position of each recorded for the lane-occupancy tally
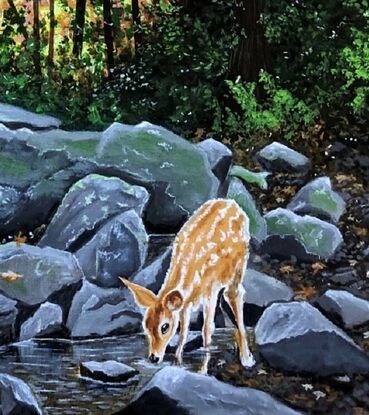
(16, 397)
(107, 371)
(8, 315)
(175, 390)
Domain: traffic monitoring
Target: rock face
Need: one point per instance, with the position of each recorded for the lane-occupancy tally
(296, 337)
(118, 248)
(176, 391)
(16, 397)
(318, 199)
(108, 371)
(47, 320)
(99, 312)
(9, 200)
(219, 157)
(8, 315)
(305, 237)
(278, 157)
(16, 117)
(238, 192)
(152, 276)
(43, 272)
(262, 290)
(177, 173)
(88, 204)
(344, 307)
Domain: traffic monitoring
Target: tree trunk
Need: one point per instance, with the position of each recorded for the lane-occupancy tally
(252, 52)
(36, 38)
(79, 26)
(50, 58)
(136, 20)
(108, 35)
(18, 19)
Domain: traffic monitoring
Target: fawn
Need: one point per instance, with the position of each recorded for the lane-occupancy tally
(209, 253)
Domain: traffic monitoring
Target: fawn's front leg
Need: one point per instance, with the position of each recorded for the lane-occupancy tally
(184, 321)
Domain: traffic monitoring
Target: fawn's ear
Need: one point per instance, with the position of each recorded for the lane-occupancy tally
(173, 300)
(143, 297)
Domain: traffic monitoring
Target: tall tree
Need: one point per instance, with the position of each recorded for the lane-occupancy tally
(36, 38)
(50, 57)
(108, 35)
(136, 19)
(79, 27)
(252, 52)
(18, 19)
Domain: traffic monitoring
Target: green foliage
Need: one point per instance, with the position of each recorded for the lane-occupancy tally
(280, 112)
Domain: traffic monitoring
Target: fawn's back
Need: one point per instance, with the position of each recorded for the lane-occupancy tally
(208, 250)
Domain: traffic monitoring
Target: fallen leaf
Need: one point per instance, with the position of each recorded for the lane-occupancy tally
(343, 177)
(10, 276)
(305, 293)
(19, 239)
(286, 269)
(317, 266)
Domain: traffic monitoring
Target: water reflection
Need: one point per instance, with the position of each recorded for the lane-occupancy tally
(51, 368)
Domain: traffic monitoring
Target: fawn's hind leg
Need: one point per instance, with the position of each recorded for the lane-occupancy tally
(234, 297)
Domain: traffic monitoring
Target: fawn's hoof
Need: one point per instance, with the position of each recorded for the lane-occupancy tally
(248, 361)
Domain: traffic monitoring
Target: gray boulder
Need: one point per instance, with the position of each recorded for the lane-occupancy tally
(9, 200)
(16, 117)
(152, 276)
(99, 312)
(278, 157)
(218, 155)
(16, 397)
(118, 248)
(296, 337)
(175, 390)
(344, 307)
(177, 173)
(305, 237)
(108, 371)
(318, 199)
(193, 342)
(238, 192)
(43, 272)
(47, 320)
(89, 203)
(8, 316)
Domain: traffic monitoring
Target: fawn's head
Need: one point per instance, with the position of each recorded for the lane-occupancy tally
(161, 317)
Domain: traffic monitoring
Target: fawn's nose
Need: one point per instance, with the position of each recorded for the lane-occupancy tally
(153, 358)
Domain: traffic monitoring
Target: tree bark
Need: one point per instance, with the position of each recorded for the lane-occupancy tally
(50, 57)
(252, 52)
(36, 38)
(79, 27)
(108, 35)
(136, 20)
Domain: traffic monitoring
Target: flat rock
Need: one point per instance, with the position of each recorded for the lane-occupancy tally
(43, 272)
(238, 192)
(193, 342)
(46, 321)
(107, 371)
(278, 157)
(16, 117)
(296, 337)
(175, 390)
(16, 397)
(176, 172)
(8, 316)
(99, 312)
(118, 248)
(89, 203)
(304, 237)
(218, 155)
(318, 199)
(344, 307)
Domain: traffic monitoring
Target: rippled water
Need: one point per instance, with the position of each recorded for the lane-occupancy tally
(51, 368)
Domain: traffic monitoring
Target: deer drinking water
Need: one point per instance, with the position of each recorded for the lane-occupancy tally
(209, 254)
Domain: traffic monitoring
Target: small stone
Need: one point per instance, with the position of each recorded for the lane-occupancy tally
(108, 371)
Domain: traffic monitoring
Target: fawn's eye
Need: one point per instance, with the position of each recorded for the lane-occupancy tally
(164, 328)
